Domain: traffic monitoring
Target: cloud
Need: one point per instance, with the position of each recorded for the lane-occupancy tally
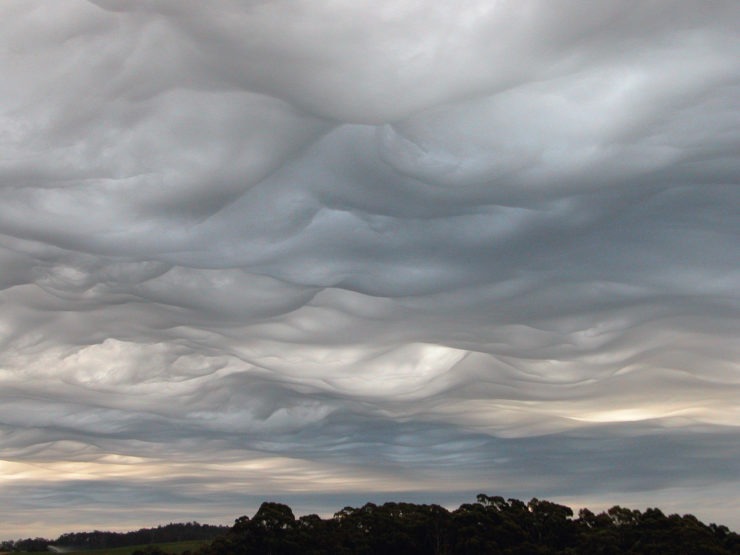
(332, 249)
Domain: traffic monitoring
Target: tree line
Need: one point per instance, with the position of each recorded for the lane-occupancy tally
(173, 532)
(491, 525)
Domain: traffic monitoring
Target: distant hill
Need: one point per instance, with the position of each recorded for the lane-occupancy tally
(83, 541)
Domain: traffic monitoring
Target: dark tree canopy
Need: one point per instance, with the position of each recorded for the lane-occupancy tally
(490, 525)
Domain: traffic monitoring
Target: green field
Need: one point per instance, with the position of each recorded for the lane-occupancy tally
(173, 547)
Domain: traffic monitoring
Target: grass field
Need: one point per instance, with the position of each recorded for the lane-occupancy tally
(174, 547)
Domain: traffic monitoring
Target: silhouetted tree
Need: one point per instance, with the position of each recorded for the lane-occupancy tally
(491, 525)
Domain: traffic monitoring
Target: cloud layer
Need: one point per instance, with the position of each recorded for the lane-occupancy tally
(327, 251)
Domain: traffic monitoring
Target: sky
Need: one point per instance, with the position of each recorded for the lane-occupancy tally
(330, 252)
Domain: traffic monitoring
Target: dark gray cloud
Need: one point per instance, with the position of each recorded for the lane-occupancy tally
(317, 252)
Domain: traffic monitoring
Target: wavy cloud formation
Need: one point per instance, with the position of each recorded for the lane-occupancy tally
(329, 251)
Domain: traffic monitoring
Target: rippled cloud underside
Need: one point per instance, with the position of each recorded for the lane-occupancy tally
(330, 251)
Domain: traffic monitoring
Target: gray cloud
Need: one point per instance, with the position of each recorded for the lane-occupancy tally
(316, 252)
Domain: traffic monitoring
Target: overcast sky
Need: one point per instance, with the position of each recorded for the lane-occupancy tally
(325, 252)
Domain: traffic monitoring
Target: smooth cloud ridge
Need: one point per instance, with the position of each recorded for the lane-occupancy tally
(325, 252)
